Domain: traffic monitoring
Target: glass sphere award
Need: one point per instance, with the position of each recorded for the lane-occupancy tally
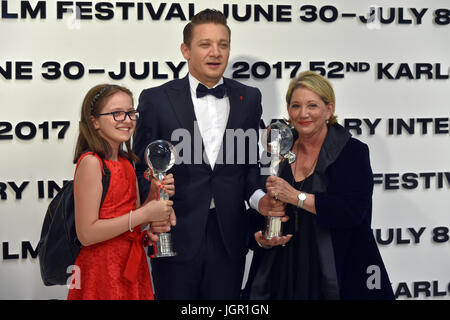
(160, 157)
(277, 140)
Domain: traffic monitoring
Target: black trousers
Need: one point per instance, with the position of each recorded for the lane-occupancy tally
(211, 274)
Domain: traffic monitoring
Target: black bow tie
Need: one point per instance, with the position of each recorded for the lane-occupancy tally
(218, 92)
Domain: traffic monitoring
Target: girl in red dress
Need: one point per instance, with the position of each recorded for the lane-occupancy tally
(112, 263)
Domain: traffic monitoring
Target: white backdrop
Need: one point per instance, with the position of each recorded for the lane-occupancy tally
(401, 68)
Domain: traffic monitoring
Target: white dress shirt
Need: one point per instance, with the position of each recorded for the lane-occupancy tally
(212, 116)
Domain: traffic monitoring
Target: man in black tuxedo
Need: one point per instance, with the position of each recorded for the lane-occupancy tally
(218, 173)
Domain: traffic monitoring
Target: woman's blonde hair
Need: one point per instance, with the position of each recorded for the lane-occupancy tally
(88, 138)
(318, 84)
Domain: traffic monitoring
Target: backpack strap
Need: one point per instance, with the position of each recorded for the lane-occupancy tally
(106, 176)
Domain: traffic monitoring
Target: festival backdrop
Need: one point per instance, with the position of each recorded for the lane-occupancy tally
(387, 60)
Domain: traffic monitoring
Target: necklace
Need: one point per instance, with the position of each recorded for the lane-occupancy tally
(308, 173)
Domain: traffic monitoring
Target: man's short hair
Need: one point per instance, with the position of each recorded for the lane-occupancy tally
(205, 16)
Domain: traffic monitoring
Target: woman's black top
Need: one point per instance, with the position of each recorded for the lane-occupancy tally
(296, 272)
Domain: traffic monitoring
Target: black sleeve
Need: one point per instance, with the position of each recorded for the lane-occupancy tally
(146, 131)
(348, 197)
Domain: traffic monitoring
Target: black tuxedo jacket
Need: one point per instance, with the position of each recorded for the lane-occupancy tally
(167, 112)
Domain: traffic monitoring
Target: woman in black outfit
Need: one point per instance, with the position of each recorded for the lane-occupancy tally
(332, 253)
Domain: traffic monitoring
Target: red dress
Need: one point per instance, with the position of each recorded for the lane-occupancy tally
(115, 268)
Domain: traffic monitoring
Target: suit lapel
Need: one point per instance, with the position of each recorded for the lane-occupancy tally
(235, 96)
(180, 98)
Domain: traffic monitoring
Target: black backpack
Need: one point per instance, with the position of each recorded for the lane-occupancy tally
(59, 246)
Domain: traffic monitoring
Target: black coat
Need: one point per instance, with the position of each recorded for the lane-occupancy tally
(350, 262)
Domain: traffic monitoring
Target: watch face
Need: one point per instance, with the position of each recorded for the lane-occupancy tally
(302, 196)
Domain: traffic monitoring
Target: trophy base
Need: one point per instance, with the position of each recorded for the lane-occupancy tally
(274, 228)
(164, 254)
(163, 248)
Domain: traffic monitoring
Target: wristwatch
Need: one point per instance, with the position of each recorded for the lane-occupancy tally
(301, 198)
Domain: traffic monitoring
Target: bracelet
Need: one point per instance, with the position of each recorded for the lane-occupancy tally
(129, 221)
(263, 246)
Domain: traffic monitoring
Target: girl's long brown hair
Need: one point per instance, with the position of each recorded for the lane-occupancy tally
(88, 137)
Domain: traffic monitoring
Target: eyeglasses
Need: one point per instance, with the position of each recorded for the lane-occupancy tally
(122, 115)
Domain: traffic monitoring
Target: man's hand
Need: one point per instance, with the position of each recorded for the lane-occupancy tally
(276, 241)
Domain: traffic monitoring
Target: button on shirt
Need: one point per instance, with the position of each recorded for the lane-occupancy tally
(212, 116)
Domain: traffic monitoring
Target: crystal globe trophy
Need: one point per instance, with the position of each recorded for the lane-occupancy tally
(277, 140)
(160, 157)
